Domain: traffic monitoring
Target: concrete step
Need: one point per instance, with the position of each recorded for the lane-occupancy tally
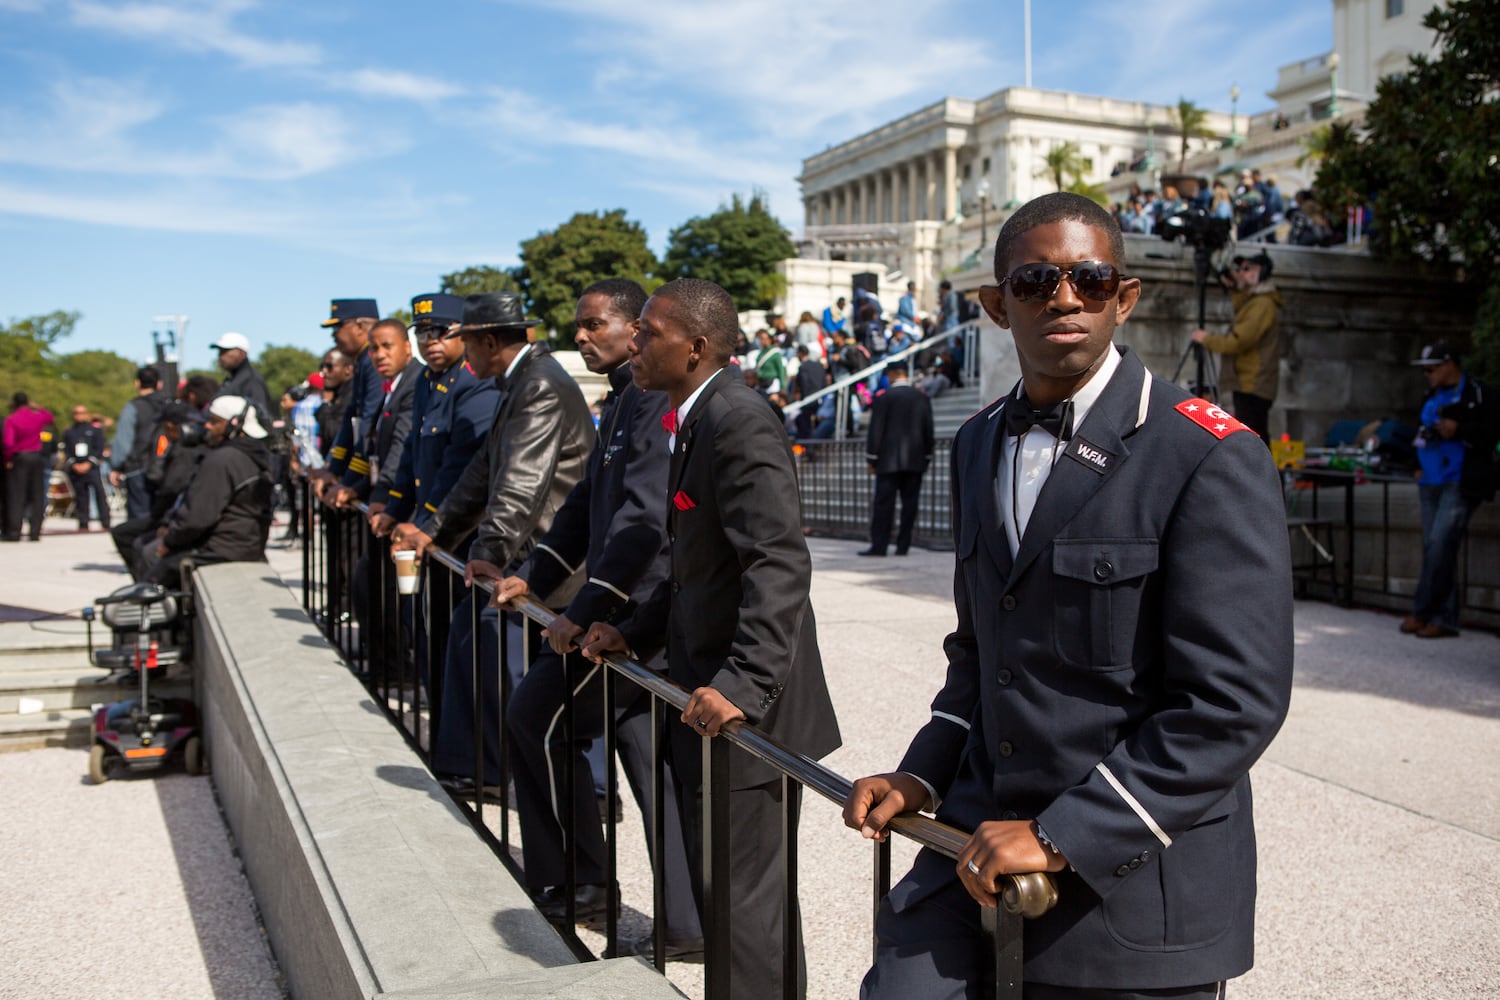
(27, 638)
(39, 691)
(69, 727)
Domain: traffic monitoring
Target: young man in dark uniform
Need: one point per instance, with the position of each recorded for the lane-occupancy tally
(734, 616)
(1122, 657)
(83, 451)
(614, 524)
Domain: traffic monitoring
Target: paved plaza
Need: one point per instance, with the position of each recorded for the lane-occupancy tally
(1378, 811)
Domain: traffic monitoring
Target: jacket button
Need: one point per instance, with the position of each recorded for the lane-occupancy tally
(1008, 602)
(1135, 863)
(1005, 748)
(671, 536)
(676, 586)
(1122, 871)
(1010, 814)
(1103, 569)
(1005, 676)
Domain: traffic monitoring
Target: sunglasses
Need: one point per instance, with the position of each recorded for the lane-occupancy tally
(1093, 279)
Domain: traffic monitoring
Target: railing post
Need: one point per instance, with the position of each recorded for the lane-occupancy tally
(1004, 929)
(570, 799)
(476, 623)
(611, 793)
(659, 788)
(717, 911)
(882, 889)
(791, 917)
(305, 516)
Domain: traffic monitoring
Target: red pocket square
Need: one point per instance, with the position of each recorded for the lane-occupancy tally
(682, 501)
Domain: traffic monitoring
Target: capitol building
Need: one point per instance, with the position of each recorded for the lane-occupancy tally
(920, 198)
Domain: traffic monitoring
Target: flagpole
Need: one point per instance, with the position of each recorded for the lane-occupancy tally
(1028, 43)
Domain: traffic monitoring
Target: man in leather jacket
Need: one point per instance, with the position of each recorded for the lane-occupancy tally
(537, 450)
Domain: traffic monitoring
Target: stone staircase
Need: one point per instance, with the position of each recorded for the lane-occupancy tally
(48, 686)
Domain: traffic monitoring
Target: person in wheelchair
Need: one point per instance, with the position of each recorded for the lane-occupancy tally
(224, 514)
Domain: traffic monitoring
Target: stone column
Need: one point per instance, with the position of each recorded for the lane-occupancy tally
(882, 186)
(871, 209)
(930, 186)
(911, 190)
(950, 183)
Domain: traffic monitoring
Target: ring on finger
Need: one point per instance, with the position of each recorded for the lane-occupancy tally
(973, 868)
(701, 724)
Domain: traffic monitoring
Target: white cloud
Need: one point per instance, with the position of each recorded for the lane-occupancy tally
(675, 155)
(794, 70)
(203, 27)
(93, 125)
(394, 84)
(174, 212)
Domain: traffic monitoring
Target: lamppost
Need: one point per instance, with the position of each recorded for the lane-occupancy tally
(1334, 110)
(984, 206)
(1234, 109)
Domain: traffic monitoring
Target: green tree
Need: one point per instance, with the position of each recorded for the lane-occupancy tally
(480, 278)
(1062, 165)
(557, 265)
(737, 247)
(283, 367)
(1427, 161)
(100, 380)
(1190, 121)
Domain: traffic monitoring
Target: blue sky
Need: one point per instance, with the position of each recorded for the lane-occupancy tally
(244, 161)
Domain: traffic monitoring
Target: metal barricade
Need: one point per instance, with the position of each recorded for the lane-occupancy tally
(333, 537)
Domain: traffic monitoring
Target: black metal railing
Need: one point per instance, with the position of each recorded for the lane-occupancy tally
(389, 671)
(837, 489)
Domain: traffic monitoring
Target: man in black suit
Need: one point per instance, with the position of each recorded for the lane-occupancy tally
(373, 466)
(734, 615)
(1123, 655)
(897, 448)
(614, 523)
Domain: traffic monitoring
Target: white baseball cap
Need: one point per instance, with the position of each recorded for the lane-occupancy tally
(234, 408)
(231, 341)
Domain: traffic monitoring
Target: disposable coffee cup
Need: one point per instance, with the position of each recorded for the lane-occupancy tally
(406, 571)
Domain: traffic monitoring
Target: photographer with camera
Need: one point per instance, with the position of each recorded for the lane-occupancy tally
(1456, 450)
(1254, 342)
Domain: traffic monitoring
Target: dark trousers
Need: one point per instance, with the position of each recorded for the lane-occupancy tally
(1445, 518)
(167, 570)
(937, 949)
(453, 744)
(373, 590)
(127, 535)
(889, 485)
(535, 728)
(89, 488)
(1255, 413)
(757, 880)
(26, 494)
(137, 495)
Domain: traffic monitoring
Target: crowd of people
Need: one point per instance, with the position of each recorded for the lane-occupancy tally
(1253, 205)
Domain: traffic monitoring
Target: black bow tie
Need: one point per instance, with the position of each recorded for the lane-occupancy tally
(1056, 419)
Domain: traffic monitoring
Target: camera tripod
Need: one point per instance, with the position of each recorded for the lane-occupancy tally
(1205, 383)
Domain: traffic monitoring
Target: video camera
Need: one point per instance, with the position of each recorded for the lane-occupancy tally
(1198, 229)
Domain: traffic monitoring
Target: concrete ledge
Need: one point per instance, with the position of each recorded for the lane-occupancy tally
(370, 881)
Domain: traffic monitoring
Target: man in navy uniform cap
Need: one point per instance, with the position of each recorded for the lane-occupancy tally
(351, 321)
(451, 416)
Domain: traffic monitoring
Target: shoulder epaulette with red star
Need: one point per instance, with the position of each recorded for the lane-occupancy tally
(1210, 417)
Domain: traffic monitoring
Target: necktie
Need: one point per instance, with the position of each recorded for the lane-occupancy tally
(669, 421)
(385, 387)
(1056, 419)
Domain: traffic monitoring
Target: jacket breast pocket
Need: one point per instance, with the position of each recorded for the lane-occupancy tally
(1099, 585)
